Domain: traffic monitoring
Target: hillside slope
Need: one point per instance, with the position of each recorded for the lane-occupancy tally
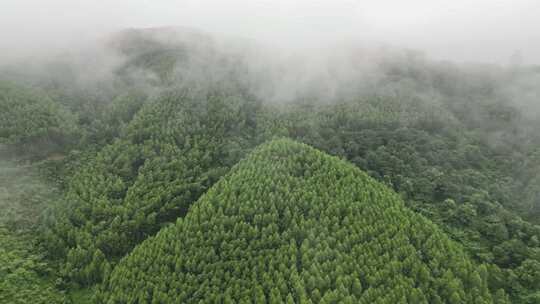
(25, 277)
(292, 224)
(170, 154)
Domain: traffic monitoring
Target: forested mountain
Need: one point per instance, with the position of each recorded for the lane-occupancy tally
(173, 151)
(291, 224)
(129, 142)
(447, 175)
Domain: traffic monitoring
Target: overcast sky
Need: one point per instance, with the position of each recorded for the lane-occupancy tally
(460, 30)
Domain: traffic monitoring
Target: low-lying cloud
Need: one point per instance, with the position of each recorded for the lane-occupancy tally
(461, 30)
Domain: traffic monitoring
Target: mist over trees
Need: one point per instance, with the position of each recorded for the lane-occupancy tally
(138, 143)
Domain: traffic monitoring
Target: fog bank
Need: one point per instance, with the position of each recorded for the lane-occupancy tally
(461, 30)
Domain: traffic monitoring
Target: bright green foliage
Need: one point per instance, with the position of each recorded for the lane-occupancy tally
(291, 224)
(173, 151)
(442, 171)
(21, 274)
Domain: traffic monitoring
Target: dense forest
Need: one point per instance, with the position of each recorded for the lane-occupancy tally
(177, 167)
(290, 224)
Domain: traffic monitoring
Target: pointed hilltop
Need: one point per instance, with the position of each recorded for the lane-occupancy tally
(290, 224)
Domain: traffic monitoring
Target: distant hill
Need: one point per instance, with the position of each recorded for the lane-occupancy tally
(172, 56)
(290, 224)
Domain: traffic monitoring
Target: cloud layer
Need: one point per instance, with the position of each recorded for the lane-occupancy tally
(459, 30)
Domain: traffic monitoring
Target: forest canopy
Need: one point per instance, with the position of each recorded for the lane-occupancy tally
(291, 224)
(424, 169)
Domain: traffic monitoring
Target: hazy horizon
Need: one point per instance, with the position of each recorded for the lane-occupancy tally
(462, 31)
